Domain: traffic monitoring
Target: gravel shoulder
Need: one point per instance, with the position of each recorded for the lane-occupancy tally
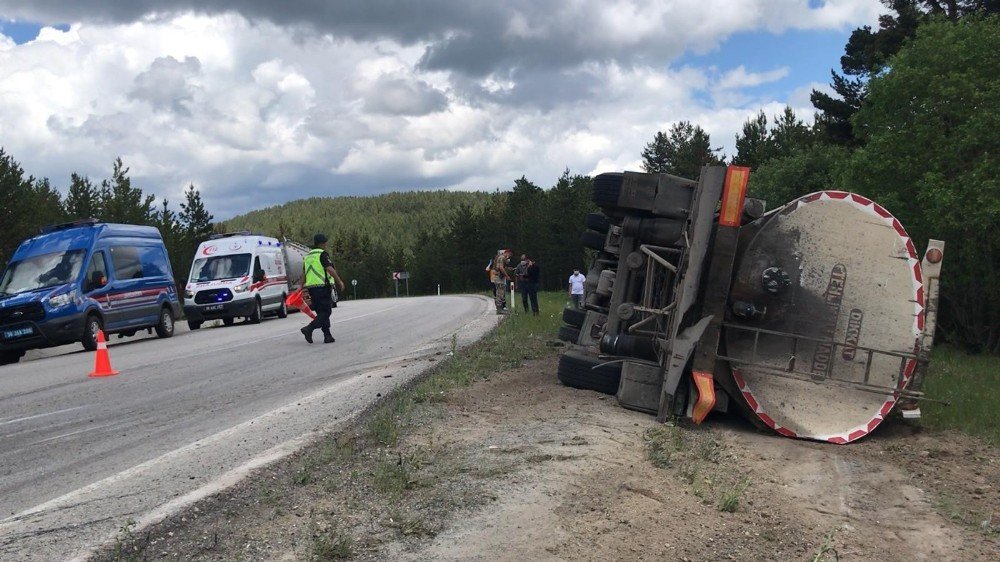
(517, 466)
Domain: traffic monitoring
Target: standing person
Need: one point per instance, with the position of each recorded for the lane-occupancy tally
(576, 282)
(522, 267)
(319, 270)
(529, 286)
(500, 277)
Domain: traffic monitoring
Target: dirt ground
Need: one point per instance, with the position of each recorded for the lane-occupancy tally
(519, 467)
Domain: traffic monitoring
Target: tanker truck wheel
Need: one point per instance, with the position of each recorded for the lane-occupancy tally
(599, 222)
(569, 334)
(576, 370)
(574, 316)
(593, 239)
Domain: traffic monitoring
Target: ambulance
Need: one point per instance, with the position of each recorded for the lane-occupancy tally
(241, 275)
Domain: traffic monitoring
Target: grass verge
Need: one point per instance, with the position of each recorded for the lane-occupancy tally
(971, 384)
(518, 338)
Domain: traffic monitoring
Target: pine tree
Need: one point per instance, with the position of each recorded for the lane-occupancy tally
(83, 200)
(196, 222)
(122, 203)
(682, 153)
(754, 146)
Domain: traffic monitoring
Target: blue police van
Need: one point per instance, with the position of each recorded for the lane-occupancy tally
(74, 279)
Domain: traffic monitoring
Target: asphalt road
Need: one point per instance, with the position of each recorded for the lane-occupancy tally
(188, 415)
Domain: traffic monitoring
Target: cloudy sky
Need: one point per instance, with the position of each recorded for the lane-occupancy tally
(258, 102)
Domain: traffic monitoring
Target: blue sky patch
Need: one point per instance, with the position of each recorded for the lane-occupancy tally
(23, 31)
(808, 55)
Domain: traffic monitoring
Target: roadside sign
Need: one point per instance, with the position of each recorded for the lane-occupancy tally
(354, 282)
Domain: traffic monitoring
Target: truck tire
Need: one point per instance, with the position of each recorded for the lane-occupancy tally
(606, 189)
(593, 239)
(598, 221)
(576, 370)
(91, 326)
(194, 325)
(283, 308)
(255, 314)
(574, 316)
(165, 327)
(569, 334)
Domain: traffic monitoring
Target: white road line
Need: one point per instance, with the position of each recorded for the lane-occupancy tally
(77, 432)
(15, 420)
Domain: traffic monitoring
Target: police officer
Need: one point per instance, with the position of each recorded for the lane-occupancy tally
(319, 270)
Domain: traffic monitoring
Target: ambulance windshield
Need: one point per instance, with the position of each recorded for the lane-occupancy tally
(220, 267)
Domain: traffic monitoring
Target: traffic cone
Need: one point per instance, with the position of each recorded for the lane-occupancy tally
(102, 362)
(295, 300)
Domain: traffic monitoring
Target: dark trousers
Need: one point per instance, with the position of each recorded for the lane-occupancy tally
(529, 291)
(322, 305)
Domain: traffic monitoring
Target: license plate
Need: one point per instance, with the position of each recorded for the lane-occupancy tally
(18, 333)
(212, 307)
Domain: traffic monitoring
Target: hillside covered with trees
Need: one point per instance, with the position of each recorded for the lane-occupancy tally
(440, 237)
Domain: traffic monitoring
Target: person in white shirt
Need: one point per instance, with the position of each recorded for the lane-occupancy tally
(576, 282)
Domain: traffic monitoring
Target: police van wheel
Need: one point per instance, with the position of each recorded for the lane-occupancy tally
(228, 321)
(165, 327)
(90, 328)
(283, 308)
(255, 316)
(193, 325)
(10, 357)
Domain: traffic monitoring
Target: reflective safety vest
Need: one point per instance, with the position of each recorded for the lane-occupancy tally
(316, 274)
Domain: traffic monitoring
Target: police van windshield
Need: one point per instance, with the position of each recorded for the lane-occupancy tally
(39, 272)
(220, 267)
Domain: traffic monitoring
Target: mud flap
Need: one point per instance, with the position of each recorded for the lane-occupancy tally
(705, 385)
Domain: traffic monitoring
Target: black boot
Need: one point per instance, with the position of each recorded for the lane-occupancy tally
(308, 333)
(328, 337)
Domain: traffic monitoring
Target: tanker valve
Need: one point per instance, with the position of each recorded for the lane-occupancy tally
(748, 310)
(775, 280)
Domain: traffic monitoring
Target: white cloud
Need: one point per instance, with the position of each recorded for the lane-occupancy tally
(740, 78)
(256, 113)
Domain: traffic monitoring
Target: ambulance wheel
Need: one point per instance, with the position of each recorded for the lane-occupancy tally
(91, 326)
(576, 369)
(256, 315)
(194, 325)
(165, 327)
(227, 321)
(283, 308)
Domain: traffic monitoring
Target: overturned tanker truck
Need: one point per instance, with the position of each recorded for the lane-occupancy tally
(813, 319)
